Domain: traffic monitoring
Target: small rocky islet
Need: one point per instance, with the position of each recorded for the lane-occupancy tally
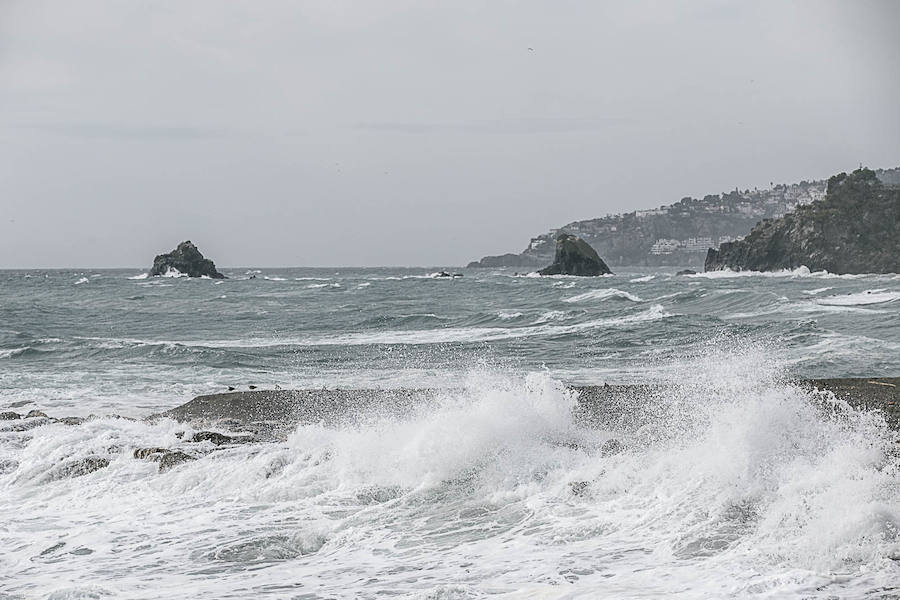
(574, 256)
(187, 260)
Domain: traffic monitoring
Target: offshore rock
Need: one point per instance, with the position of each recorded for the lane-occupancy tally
(506, 260)
(852, 230)
(185, 259)
(9, 416)
(686, 272)
(574, 256)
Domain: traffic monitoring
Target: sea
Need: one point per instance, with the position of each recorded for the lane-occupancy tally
(735, 483)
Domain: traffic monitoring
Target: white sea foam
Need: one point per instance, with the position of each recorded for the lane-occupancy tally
(732, 484)
(140, 276)
(398, 337)
(552, 315)
(82, 280)
(877, 296)
(316, 286)
(603, 294)
(509, 315)
(13, 352)
(817, 291)
(173, 272)
(790, 273)
(643, 279)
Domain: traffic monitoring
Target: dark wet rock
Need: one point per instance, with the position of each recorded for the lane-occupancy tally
(185, 259)
(574, 256)
(170, 460)
(611, 446)
(9, 416)
(35, 413)
(52, 549)
(686, 272)
(852, 230)
(71, 420)
(144, 453)
(79, 467)
(28, 424)
(8, 465)
(213, 436)
(579, 488)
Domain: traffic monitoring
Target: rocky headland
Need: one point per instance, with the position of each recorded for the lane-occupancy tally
(854, 229)
(186, 259)
(677, 234)
(574, 256)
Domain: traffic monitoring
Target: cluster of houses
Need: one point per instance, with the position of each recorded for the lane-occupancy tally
(695, 244)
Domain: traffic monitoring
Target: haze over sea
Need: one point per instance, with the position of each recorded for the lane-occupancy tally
(735, 485)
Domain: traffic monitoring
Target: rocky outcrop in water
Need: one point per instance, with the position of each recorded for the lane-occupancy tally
(852, 230)
(574, 256)
(187, 260)
(506, 260)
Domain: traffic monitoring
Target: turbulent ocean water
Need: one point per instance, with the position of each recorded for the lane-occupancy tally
(734, 484)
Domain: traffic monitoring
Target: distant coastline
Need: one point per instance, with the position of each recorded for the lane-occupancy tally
(677, 234)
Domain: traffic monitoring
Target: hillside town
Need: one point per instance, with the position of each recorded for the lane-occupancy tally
(679, 233)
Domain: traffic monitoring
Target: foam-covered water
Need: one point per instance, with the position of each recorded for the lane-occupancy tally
(734, 483)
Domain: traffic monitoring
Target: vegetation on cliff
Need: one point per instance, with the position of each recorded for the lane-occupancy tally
(854, 229)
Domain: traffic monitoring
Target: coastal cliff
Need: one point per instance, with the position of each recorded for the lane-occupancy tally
(676, 234)
(852, 230)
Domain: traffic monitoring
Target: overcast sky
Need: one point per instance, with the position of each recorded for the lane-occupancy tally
(410, 132)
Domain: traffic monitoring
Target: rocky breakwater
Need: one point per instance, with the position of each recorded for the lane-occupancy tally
(852, 230)
(574, 256)
(186, 259)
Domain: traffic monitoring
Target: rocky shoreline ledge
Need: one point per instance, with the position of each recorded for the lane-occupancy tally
(218, 421)
(275, 412)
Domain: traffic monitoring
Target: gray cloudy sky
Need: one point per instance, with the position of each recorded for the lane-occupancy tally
(413, 132)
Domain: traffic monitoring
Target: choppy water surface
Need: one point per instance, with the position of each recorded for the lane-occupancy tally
(735, 485)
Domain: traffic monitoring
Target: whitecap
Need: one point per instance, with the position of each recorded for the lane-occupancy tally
(553, 315)
(879, 296)
(817, 291)
(82, 280)
(643, 279)
(314, 286)
(509, 315)
(173, 272)
(801, 271)
(140, 276)
(602, 294)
